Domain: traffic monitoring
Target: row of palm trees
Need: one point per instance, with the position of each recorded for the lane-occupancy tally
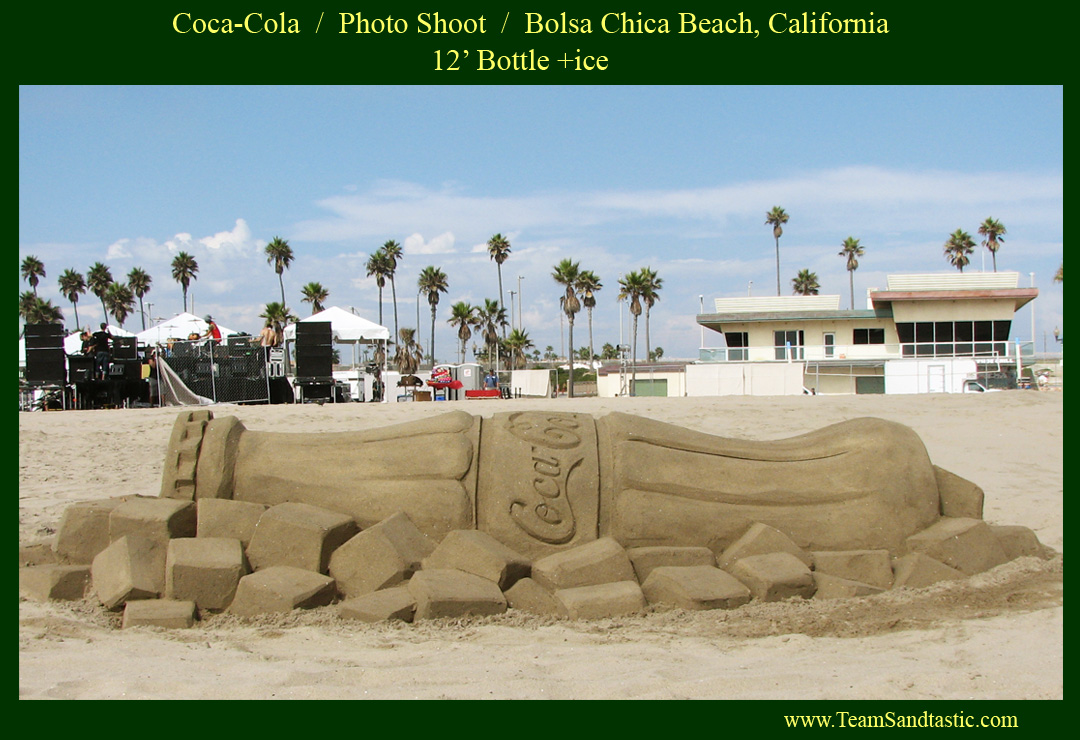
(960, 245)
(117, 297)
(383, 265)
(958, 249)
(806, 282)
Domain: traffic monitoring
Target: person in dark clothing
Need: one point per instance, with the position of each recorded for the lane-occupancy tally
(102, 341)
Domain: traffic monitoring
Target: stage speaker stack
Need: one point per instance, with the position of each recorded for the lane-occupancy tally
(45, 360)
(314, 350)
(241, 346)
(81, 368)
(124, 348)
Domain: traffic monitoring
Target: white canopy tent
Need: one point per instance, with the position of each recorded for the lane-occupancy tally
(178, 327)
(346, 327)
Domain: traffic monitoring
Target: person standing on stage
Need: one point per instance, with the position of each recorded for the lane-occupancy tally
(212, 331)
(102, 341)
(268, 338)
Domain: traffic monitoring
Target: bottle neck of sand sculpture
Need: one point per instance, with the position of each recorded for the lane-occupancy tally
(543, 481)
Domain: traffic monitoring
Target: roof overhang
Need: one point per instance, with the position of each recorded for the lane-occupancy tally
(715, 320)
(1020, 296)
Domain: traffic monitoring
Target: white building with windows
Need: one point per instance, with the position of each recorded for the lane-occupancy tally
(924, 333)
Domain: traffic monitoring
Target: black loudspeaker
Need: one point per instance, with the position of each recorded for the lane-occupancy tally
(124, 348)
(281, 391)
(81, 368)
(314, 332)
(314, 362)
(241, 346)
(46, 365)
(314, 350)
(125, 369)
(44, 336)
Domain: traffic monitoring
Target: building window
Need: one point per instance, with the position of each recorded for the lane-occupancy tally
(829, 340)
(953, 338)
(783, 340)
(868, 336)
(738, 343)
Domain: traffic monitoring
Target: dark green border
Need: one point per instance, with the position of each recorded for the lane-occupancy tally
(927, 43)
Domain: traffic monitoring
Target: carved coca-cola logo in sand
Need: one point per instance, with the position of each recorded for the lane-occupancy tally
(543, 510)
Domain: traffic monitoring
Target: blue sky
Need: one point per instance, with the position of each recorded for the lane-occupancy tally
(675, 178)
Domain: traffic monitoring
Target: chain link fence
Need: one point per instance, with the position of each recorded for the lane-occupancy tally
(236, 371)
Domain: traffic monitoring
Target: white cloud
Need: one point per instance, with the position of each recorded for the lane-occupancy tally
(238, 239)
(441, 244)
(118, 250)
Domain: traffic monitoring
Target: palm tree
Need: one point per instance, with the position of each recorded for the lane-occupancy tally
(608, 352)
(957, 249)
(139, 282)
(805, 283)
(518, 343)
(278, 316)
(852, 250)
(316, 295)
(72, 285)
(280, 255)
(378, 266)
(489, 319)
(121, 301)
(463, 316)
(567, 274)
(35, 310)
(499, 250)
(432, 282)
(776, 218)
(589, 284)
(409, 354)
(392, 251)
(631, 288)
(98, 280)
(26, 304)
(993, 230)
(1059, 276)
(184, 270)
(650, 296)
(32, 270)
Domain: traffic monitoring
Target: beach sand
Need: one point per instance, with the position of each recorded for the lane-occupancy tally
(994, 636)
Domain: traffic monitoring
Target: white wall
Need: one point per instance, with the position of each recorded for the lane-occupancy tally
(744, 379)
(607, 386)
(931, 375)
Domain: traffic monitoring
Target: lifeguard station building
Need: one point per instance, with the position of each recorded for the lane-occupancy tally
(924, 333)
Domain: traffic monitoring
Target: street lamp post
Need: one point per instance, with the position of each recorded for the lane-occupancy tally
(520, 278)
(1032, 275)
(512, 314)
(701, 301)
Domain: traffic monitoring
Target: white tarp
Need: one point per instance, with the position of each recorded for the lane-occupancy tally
(178, 327)
(531, 382)
(346, 326)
